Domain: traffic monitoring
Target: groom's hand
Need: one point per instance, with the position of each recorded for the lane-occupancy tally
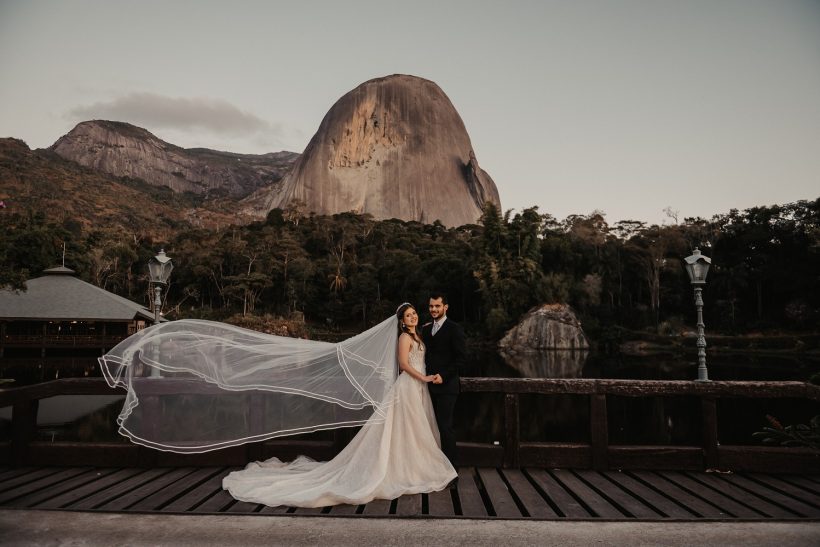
(438, 379)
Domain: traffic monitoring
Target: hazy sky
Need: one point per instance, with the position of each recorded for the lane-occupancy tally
(626, 106)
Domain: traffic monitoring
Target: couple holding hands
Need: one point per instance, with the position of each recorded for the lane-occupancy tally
(411, 449)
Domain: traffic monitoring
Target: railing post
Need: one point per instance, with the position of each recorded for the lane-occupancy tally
(599, 431)
(256, 424)
(24, 429)
(708, 408)
(512, 431)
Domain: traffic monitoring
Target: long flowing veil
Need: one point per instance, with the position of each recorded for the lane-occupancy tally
(195, 386)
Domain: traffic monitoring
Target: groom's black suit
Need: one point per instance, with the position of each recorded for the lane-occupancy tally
(445, 354)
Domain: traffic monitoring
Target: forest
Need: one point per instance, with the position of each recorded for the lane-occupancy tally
(346, 272)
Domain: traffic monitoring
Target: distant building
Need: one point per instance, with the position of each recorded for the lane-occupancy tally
(60, 325)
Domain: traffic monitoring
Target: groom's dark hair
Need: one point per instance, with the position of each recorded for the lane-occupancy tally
(439, 294)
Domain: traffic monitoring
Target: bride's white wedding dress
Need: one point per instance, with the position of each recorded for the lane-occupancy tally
(389, 457)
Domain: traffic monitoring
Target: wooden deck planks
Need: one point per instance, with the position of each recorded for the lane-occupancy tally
(214, 504)
(675, 492)
(124, 502)
(481, 492)
(440, 504)
(528, 496)
(468, 494)
(803, 482)
(244, 507)
(624, 501)
(344, 509)
(89, 489)
(69, 486)
(377, 507)
(563, 500)
(168, 494)
(27, 477)
(9, 474)
(657, 501)
(798, 507)
(111, 492)
(809, 498)
(408, 505)
(597, 503)
(500, 497)
(756, 503)
(277, 510)
(199, 494)
(718, 498)
(41, 483)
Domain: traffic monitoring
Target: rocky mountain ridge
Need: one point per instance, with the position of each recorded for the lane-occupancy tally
(393, 147)
(40, 182)
(125, 150)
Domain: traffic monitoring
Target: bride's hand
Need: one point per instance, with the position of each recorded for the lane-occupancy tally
(429, 378)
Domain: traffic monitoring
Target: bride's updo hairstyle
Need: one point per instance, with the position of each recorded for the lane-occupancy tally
(402, 327)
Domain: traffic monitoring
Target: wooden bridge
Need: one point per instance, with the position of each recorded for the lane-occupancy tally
(515, 479)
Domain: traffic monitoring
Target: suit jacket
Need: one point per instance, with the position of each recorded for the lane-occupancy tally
(445, 354)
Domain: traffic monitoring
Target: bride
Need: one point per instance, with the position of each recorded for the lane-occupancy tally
(293, 386)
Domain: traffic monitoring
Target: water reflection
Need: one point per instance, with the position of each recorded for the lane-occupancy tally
(547, 363)
(82, 418)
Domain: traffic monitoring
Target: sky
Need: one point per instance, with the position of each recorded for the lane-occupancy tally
(631, 107)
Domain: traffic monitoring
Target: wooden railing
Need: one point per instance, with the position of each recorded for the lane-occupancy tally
(597, 454)
(62, 340)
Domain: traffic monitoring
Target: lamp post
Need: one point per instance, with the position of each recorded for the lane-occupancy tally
(697, 266)
(159, 271)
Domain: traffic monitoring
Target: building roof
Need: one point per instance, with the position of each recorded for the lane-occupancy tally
(59, 295)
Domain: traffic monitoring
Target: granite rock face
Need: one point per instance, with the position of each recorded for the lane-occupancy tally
(125, 150)
(546, 327)
(393, 147)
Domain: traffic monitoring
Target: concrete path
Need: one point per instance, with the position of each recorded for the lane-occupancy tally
(22, 527)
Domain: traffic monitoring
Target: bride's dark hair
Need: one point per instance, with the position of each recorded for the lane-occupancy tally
(402, 327)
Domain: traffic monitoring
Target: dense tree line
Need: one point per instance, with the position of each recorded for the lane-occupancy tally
(349, 271)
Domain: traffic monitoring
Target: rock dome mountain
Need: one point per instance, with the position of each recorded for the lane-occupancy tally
(393, 147)
(125, 150)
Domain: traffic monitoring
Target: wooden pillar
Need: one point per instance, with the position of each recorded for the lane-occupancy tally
(152, 415)
(512, 431)
(599, 431)
(256, 424)
(708, 407)
(23, 429)
(43, 343)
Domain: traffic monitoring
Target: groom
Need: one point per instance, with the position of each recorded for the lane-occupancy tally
(444, 356)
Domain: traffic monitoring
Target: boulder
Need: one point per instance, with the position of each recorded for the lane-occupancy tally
(393, 147)
(546, 327)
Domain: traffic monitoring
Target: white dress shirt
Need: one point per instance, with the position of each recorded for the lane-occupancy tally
(437, 324)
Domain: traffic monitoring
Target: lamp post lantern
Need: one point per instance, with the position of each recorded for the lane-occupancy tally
(159, 271)
(697, 266)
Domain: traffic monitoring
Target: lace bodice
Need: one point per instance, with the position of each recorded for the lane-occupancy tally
(416, 357)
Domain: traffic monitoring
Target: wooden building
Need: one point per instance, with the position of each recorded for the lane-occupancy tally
(59, 326)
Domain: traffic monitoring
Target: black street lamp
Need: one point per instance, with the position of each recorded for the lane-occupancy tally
(159, 271)
(697, 266)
